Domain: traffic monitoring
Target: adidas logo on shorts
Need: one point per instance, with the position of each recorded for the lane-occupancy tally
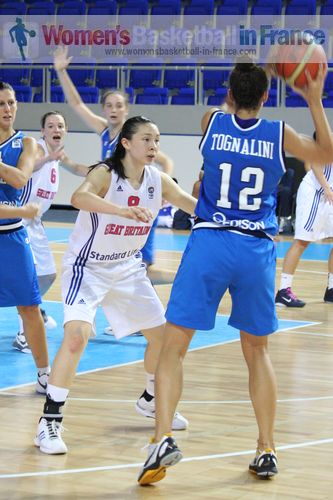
(81, 301)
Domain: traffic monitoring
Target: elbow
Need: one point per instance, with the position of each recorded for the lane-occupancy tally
(75, 200)
(19, 183)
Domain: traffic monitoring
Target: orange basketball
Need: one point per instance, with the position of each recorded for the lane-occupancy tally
(292, 60)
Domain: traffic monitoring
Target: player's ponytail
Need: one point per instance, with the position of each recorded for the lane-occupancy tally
(247, 82)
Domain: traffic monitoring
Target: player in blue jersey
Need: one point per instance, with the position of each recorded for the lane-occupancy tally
(115, 110)
(231, 247)
(19, 286)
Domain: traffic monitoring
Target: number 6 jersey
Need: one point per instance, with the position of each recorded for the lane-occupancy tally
(242, 167)
(44, 183)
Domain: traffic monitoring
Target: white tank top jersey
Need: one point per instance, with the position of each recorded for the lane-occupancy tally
(43, 184)
(102, 237)
(311, 179)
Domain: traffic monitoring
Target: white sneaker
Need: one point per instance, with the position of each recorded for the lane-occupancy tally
(49, 322)
(20, 343)
(147, 409)
(108, 331)
(48, 438)
(41, 384)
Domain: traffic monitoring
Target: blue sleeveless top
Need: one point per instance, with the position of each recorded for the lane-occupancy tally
(108, 146)
(243, 167)
(10, 151)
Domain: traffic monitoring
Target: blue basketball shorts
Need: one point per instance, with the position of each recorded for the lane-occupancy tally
(214, 261)
(19, 284)
(147, 251)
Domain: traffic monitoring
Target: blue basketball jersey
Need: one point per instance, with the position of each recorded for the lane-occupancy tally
(108, 146)
(10, 151)
(242, 168)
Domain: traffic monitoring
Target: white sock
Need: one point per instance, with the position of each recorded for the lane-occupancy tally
(150, 384)
(330, 280)
(43, 370)
(286, 281)
(57, 394)
(21, 330)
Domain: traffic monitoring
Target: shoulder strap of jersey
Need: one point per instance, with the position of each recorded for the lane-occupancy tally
(210, 123)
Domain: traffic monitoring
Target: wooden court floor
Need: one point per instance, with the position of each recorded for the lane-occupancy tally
(105, 434)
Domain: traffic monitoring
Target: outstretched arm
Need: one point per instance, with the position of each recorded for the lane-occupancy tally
(93, 121)
(28, 211)
(174, 194)
(302, 147)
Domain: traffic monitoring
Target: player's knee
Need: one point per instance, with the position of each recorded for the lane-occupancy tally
(76, 340)
(29, 312)
(302, 244)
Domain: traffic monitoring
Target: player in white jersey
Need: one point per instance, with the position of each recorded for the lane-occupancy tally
(115, 110)
(118, 201)
(314, 221)
(19, 285)
(41, 188)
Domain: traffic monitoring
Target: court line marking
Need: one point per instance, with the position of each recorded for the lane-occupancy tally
(135, 465)
(182, 401)
(95, 370)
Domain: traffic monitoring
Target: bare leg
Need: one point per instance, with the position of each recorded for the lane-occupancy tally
(330, 262)
(68, 356)
(169, 376)
(293, 255)
(34, 329)
(154, 337)
(262, 386)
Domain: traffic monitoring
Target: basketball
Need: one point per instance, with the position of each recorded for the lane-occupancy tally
(303, 54)
(32, 33)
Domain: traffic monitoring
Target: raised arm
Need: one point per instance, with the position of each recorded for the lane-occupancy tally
(174, 194)
(18, 176)
(302, 147)
(61, 61)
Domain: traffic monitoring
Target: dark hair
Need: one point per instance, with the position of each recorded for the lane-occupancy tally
(248, 82)
(129, 128)
(314, 135)
(50, 113)
(6, 86)
(113, 92)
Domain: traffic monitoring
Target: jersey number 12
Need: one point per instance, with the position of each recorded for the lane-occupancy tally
(244, 193)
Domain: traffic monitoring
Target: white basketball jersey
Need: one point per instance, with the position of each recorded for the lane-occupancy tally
(43, 184)
(102, 237)
(311, 179)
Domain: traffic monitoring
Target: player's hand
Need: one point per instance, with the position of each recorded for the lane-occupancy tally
(60, 58)
(31, 210)
(139, 214)
(58, 154)
(313, 91)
